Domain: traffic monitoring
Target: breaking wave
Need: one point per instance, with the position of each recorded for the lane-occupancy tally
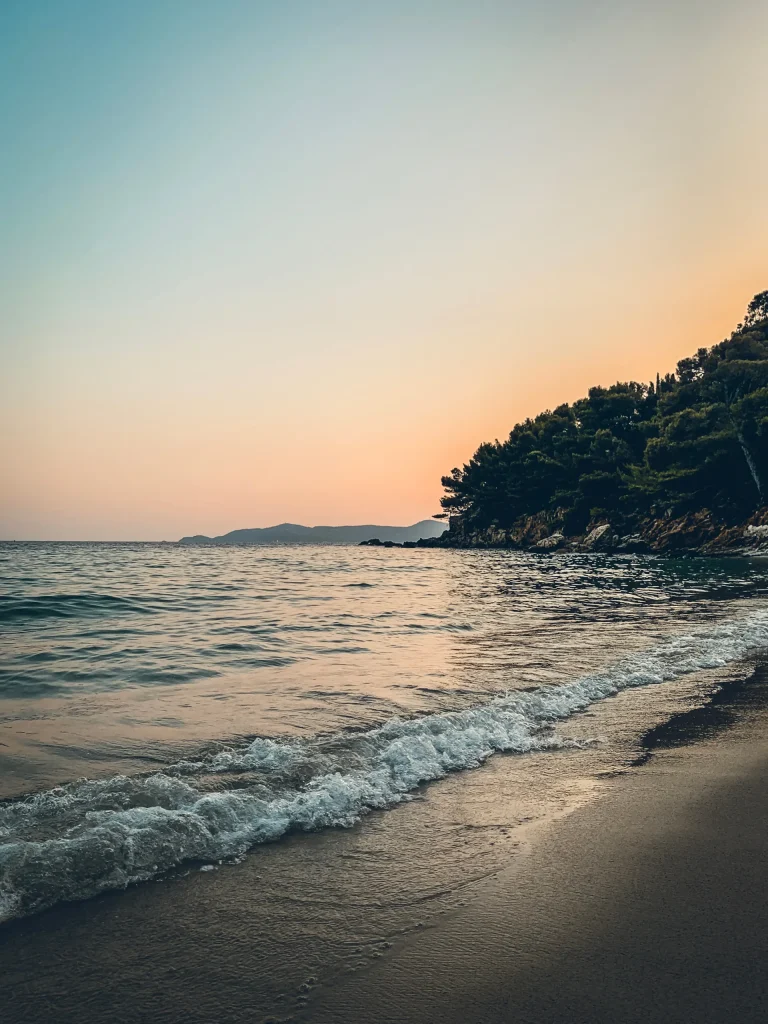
(77, 840)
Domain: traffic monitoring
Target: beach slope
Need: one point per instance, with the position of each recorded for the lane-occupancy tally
(649, 905)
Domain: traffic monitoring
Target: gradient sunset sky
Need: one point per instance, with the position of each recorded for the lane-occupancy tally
(267, 261)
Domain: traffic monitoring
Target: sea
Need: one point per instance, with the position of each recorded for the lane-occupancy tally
(167, 710)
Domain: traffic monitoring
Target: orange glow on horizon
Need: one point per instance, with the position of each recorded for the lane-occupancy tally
(288, 283)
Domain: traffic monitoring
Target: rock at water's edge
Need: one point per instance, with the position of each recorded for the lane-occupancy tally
(602, 538)
(551, 543)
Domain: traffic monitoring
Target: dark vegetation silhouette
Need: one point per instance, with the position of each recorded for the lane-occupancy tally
(694, 439)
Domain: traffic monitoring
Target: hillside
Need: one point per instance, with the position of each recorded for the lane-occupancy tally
(682, 457)
(291, 533)
(692, 442)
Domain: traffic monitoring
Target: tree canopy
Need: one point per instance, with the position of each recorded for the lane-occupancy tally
(695, 439)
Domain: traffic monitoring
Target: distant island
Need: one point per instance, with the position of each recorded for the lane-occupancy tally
(678, 464)
(291, 533)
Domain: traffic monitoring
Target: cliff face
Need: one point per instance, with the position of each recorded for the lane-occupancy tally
(695, 533)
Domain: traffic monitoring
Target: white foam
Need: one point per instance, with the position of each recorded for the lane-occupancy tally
(110, 833)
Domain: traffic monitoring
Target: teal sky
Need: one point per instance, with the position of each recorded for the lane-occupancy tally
(292, 261)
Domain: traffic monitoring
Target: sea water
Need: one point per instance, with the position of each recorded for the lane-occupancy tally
(162, 706)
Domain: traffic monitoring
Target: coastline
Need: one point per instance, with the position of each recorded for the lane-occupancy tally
(630, 903)
(695, 533)
(649, 904)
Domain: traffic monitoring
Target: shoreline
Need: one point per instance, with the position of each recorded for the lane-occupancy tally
(649, 904)
(699, 533)
(546, 932)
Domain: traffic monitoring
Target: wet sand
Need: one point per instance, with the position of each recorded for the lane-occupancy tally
(647, 902)
(650, 905)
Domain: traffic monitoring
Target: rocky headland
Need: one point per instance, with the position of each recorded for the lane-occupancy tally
(679, 465)
(699, 533)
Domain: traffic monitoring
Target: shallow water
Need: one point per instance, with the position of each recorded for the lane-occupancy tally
(215, 698)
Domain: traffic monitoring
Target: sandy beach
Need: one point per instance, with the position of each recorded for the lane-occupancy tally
(649, 905)
(644, 899)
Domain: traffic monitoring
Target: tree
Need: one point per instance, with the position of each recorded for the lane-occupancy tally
(757, 310)
(697, 439)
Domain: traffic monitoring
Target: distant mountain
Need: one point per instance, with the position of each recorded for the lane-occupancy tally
(290, 533)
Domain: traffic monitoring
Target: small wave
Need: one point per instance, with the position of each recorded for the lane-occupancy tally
(66, 606)
(78, 840)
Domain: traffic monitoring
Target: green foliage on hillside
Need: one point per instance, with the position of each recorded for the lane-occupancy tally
(698, 438)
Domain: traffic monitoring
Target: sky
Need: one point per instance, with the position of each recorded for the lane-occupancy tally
(293, 261)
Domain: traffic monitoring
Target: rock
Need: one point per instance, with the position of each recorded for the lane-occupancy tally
(602, 538)
(690, 532)
(555, 540)
(529, 530)
(758, 533)
(496, 538)
(633, 544)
